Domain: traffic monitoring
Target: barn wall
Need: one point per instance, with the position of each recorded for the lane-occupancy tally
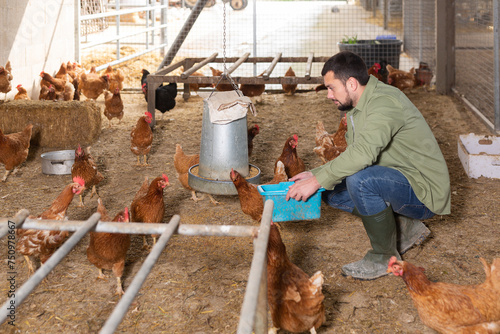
(36, 36)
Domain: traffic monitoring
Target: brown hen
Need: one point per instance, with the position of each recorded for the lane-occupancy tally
(85, 167)
(251, 200)
(141, 138)
(220, 87)
(293, 163)
(295, 299)
(148, 205)
(116, 78)
(113, 105)
(182, 163)
(279, 174)
(43, 243)
(251, 133)
(5, 79)
(253, 90)
(329, 146)
(289, 89)
(403, 80)
(22, 93)
(92, 85)
(451, 308)
(108, 250)
(14, 149)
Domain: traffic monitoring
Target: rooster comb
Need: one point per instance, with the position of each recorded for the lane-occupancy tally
(19, 86)
(79, 180)
(126, 214)
(165, 177)
(392, 260)
(147, 113)
(295, 137)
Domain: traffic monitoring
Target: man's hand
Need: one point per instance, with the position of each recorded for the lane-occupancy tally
(305, 186)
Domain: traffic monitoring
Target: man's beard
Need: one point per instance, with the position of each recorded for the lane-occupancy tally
(345, 106)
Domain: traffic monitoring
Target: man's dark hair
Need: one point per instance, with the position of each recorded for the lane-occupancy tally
(346, 64)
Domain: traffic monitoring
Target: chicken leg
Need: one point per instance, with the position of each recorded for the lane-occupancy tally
(214, 202)
(145, 244)
(31, 270)
(194, 197)
(94, 191)
(119, 289)
(81, 205)
(101, 275)
(7, 172)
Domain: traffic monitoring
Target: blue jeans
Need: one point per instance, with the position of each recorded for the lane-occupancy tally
(371, 189)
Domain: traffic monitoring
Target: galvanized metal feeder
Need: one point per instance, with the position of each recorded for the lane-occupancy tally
(224, 145)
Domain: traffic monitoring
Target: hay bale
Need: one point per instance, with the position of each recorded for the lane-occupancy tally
(62, 124)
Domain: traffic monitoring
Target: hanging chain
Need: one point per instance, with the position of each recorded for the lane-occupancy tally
(225, 74)
(224, 38)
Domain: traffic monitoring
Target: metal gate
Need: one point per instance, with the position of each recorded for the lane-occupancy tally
(253, 316)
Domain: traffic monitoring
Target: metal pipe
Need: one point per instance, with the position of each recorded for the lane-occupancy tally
(18, 220)
(47, 267)
(77, 32)
(134, 228)
(124, 59)
(496, 67)
(261, 311)
(117, 3)
(113, 38)
(121, 308)
(181, 36)
(218, 230)
(147, 16)
(483, 118)
(254, 21)
(121, 12)
(163, 22)
(249, 308)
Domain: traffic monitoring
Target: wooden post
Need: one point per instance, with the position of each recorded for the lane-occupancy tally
(445, 45)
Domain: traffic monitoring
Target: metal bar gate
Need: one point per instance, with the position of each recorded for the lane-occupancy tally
(253, 316)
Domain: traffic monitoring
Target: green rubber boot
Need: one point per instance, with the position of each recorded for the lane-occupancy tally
(381, 229)
(411, 232)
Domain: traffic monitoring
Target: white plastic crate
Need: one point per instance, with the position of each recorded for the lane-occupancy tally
(480, 155)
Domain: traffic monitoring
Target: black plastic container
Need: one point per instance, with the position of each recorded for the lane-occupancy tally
(376, 51)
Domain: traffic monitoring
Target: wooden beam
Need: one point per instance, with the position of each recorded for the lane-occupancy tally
(240, 61)
(445, 45)
(170, 68)
(196, 67)
(309, 65)
(271, 67)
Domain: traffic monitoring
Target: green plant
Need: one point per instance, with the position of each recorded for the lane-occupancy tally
(350, 40)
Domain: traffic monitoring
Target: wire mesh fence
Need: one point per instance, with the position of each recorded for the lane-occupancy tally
(297, 28)
(264, 28)
(474, 55)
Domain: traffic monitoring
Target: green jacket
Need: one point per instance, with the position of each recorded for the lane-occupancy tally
(386, 129)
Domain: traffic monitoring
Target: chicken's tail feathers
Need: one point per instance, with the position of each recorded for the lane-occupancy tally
(492, 271)
(317, 280)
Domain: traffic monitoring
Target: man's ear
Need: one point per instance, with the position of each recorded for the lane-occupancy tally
(352, 83)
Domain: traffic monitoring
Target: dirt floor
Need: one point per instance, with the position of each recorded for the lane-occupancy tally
(198, 284)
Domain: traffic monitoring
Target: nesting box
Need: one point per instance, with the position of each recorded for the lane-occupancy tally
(480, 155)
